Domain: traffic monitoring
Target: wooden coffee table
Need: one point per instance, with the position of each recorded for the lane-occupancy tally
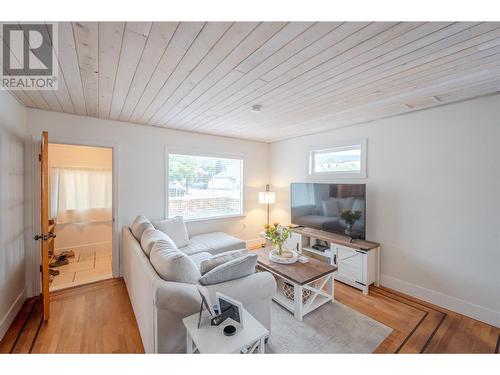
(312, 276)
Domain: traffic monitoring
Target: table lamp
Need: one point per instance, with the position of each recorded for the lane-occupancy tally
(267, 197)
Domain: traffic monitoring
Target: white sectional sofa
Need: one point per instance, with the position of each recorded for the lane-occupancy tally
(160, 305)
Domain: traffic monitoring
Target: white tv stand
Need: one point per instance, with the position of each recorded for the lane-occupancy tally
(358, 261)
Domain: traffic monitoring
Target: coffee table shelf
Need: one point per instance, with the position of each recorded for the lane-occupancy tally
(288, 304)
(315, 276)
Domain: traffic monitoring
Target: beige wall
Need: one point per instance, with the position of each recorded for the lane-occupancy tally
(80, 156)
(77, 235)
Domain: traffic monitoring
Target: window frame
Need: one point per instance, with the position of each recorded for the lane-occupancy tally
(210, 154)
(340, 146)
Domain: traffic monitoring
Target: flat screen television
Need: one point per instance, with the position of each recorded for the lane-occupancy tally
(319, 206)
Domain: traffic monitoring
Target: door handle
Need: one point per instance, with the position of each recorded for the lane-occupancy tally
(44, 237)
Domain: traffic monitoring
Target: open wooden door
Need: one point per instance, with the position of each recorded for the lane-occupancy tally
(45, 235)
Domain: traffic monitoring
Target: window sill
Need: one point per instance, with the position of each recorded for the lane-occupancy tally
(215, 218)
(346, 175)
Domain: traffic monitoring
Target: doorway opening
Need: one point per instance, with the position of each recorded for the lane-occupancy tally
(81, 214)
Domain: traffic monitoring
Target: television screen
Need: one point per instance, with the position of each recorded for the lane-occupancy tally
(320, 206)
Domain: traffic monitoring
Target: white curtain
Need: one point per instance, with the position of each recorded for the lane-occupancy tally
(81, 195)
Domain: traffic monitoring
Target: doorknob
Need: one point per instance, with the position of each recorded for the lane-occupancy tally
(44, 237)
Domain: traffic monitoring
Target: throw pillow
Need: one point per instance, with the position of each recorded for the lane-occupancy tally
(175, 228)
(217, 260)
(149, 237)
(234, 269)
(173, 265)
(331, 208)
(140, 224)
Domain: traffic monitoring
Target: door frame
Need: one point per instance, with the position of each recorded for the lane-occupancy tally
(32, 274)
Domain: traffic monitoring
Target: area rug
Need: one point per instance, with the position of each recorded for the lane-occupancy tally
(333, 328)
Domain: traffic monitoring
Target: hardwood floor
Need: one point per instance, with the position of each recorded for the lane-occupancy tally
(98, 318)
(93, 318)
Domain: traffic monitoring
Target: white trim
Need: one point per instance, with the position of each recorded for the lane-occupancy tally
(116, 256)
(215, 218)
(33, 280)
(458, 305)
(338, 146)
(206, 153)
(11, 314)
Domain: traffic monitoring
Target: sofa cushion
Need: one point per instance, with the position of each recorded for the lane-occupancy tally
(199, 258)
(173, 265)
(140, 224)
(175, 228)
(214, 243)
(149, 237)
(216, 260)
(234, 269)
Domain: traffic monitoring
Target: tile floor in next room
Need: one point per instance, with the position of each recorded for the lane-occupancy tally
(91, 263)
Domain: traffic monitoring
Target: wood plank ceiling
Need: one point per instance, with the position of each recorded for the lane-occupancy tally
(308, 77)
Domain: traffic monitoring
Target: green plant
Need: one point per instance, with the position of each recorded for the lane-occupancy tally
(277, 234)
(350, 217)
(182, 168)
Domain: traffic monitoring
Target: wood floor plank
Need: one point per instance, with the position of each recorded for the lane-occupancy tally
(28, 334)
(424, 331)
(402, 318)
(460, 334)
(98, 318)
(11, 336)
(94, 318)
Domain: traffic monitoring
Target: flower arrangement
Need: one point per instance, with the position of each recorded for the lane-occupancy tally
(350, 218)
(277, 234)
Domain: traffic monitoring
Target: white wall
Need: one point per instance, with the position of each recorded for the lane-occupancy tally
(433, 200)
(12, 205)
(142, 162)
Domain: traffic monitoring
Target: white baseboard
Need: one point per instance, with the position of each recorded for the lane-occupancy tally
(255, 242)
(458, 305)
(11, 313)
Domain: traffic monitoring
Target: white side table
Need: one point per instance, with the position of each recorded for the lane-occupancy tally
(211, 339)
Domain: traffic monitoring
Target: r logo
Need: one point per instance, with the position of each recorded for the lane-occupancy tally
(27, 50)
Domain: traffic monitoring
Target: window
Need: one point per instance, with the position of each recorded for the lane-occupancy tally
(204, 187)
(344, 160)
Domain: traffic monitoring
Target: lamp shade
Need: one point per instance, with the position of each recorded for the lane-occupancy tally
(267, 197)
